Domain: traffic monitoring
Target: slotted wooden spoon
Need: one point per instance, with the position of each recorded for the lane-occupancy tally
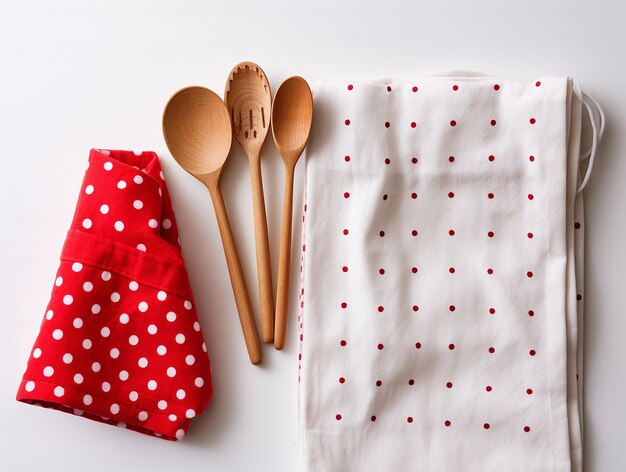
(249, 101)
(197, 132)
(292, 115)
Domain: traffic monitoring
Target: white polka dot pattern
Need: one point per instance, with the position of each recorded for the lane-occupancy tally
(135, 372)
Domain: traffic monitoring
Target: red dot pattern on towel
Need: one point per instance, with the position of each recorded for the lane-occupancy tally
(451, 203)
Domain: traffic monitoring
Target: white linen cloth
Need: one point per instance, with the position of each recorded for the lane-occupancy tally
(442, 277)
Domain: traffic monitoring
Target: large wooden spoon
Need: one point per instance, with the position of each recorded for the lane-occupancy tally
(292, 115)
(197, 131)
(249, 102)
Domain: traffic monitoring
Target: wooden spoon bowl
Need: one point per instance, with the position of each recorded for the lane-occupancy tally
(197, 130)
(249, 100)
(292, 115)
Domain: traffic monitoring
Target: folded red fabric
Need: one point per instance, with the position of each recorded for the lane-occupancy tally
(120, 342)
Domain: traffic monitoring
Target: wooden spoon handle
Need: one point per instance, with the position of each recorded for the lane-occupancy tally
(264, 270)
(237, 281)
(284, 262)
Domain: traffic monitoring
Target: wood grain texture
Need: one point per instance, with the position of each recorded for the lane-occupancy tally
(292, 115)
(197, 131)
(249, 101)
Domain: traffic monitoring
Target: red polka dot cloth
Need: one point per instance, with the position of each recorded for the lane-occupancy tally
(120, 342)
(442, 276)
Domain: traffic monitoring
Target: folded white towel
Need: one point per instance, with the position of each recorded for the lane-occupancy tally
(442, 258)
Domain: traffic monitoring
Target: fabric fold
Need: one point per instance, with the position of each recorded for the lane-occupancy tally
(442, 276)
(120, 342)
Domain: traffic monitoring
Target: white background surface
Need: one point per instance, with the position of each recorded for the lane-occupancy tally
(77, 74)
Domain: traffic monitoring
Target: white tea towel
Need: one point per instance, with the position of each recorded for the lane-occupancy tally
(441, 276)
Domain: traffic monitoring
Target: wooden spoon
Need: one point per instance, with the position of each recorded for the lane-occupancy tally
(292, 114)
(249, 102)
(197, 131)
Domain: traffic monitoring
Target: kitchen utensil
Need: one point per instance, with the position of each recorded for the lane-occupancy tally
(197, 131)
(292, 115)
(249, 101)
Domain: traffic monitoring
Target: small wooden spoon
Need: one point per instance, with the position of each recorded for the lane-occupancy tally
(292, 115)
(197, 131)
(249, 101)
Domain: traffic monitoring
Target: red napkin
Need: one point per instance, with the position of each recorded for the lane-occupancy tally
(120, 342)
